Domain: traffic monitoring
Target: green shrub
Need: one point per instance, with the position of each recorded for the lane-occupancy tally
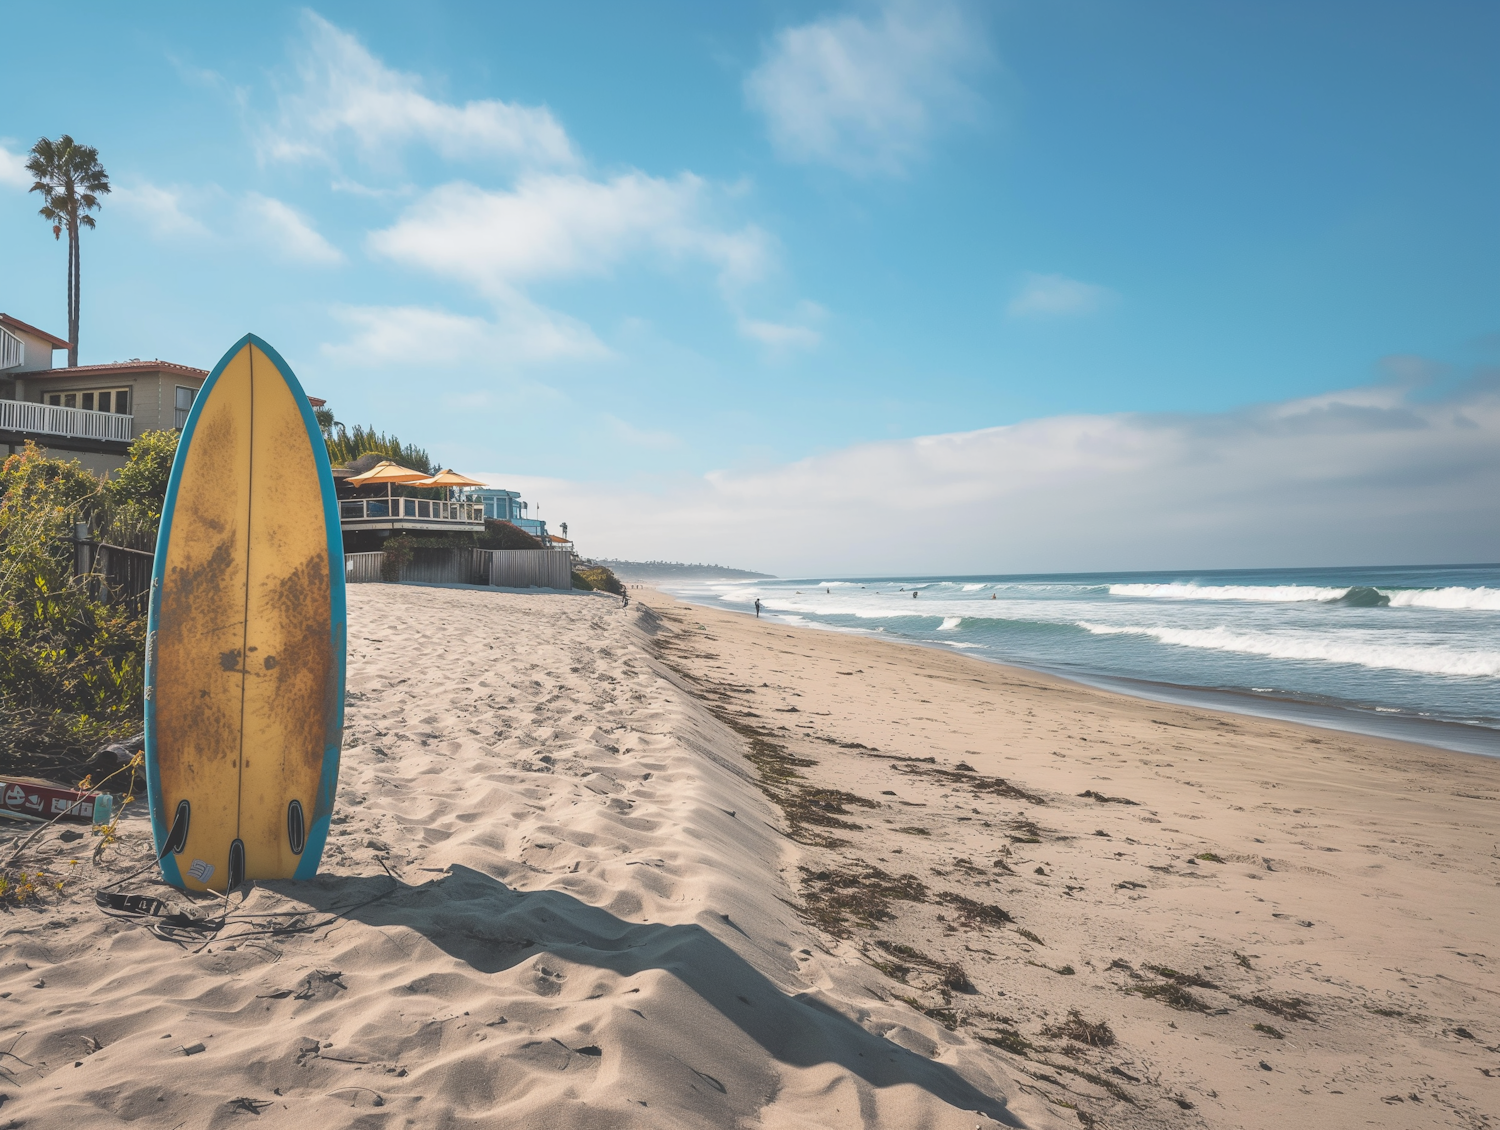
(504, 535)
(598, 578)
(398, 554)
(71, 664)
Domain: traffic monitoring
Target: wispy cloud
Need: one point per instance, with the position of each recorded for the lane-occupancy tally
(413, 335)
(1367, 475)
(163, 210)
(784, 336)
(633, 436)
(1055, 296)
(866, 94)
(284, 233)
(343, 92)
(562, 226)
(13, 172)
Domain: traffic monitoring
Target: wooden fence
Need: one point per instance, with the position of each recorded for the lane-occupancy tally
(528, 568)
(508, 568)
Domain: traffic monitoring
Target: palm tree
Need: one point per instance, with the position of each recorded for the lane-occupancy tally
(71, 180)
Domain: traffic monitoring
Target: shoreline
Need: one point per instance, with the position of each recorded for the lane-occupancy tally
(1435, 733)
(1278, 924)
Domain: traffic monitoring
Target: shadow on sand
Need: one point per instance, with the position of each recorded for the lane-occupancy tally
(490, 927)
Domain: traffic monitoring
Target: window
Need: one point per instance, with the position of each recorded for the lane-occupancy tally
(115, 400)
(184, 404)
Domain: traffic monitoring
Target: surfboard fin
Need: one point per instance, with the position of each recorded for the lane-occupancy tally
(177, 837)
(236, 864)
(296, 827)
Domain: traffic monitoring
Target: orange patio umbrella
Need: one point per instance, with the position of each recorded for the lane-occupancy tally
(386, 472)
(448, 477)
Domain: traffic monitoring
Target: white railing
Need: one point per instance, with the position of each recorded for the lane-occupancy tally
(12, 350)
(426, 509)
(74, 423)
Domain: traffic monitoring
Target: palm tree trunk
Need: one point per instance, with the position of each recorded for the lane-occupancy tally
(77, 302)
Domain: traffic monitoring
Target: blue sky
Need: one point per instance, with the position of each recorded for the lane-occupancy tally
(641, 255)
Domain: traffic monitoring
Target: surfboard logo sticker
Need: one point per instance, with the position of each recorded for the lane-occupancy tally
(201, 870)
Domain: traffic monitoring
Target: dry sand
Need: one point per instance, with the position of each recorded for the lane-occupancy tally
(683, 868)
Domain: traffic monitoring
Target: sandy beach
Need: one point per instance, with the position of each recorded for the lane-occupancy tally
(669, 866)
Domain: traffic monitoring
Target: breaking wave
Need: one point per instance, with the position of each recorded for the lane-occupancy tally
(1426, 660)
(1190, 591)
(950, 623)
(1480, 599)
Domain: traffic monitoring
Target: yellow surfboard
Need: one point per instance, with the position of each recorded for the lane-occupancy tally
(245, 643)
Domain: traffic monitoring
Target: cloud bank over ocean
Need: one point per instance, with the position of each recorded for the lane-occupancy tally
(1374, 474)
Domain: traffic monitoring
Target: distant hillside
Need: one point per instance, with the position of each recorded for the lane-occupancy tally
(676, 571)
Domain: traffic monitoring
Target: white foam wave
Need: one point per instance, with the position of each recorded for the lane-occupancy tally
(1363, 652)
(1270, 593)
(974, 588)
(1480, 599)
(950, 623)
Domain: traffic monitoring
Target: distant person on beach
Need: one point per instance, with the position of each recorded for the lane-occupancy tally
(757, 608)
(624, 600)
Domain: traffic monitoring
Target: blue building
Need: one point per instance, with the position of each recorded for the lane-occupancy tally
(506, 506)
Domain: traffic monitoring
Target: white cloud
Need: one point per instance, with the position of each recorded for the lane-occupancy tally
(1052, 296)
(865, 94)
(285, 233)
(162, 210)
(414, 335)
(558, 226)
(1368, 475)
(344, 91)
(13, 172)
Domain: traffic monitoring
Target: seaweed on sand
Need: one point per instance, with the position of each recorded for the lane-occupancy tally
(1095, 1034)
(1288, 1008)
(973, 913)
(862, 896)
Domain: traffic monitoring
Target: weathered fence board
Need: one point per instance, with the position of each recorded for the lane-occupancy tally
(362, 567)
(510, 568)
(529, 568)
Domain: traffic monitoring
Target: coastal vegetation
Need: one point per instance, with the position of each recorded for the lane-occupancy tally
(71, 651)
(598, 578)
(345, 445)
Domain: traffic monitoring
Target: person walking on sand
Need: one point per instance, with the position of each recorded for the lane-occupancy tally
(757, 608)
(624, 600)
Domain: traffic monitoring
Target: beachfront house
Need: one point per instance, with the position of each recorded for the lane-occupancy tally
(507, 506)
(371, 512)
(88, 412)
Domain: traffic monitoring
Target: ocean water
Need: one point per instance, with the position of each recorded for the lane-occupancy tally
(1406, 652)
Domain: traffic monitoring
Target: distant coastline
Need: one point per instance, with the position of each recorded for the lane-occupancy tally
(644, 571)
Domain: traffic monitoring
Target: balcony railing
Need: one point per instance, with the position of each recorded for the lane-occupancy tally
(72, 423)
(424, 509)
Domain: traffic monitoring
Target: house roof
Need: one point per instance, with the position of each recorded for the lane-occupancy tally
(25, 327)
(116, 367)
